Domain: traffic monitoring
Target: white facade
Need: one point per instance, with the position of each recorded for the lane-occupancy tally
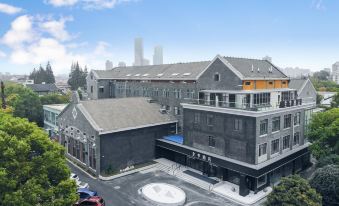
(158, 55)
(109, 65)
(138, 52)
(335, 72)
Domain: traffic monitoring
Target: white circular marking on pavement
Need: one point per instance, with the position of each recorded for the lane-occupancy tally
(163, 194)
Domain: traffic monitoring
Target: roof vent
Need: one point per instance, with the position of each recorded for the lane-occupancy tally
(270, 70)
(258, 69)
(252, 68)
(162, 111)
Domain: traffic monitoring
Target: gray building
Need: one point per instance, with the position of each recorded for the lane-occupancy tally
(43, 89)
(335, 72)
(51, 113)
(110, 135)
(172, 84)
(138, 52)
(158, 55)
(305, 89)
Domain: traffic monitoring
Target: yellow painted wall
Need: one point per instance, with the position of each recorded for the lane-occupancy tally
(260, 84)
(248, 87)
(264, 84)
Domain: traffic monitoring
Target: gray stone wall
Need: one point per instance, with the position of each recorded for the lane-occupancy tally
(122, 149)
(239, 145)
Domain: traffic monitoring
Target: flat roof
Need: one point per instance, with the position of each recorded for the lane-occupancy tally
(58, 107)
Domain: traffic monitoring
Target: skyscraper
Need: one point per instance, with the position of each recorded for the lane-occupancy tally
(158, 55)
(138, 52)
(335, 72)
(122, 64)
(109, 65)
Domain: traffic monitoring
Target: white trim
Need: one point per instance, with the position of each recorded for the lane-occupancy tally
(246, 112)
(266, 78)
(137, 127)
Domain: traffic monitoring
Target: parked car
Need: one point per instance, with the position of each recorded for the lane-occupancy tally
(74, 177)
(85, 193)
(82, 185)
(92, 201)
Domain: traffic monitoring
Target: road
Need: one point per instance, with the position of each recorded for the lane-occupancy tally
(124, 190)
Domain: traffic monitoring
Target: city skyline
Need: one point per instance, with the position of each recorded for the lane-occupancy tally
(91, 32)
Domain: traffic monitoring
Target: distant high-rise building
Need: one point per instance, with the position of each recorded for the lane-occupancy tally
(335, 72)
(296, 72)
(267, 58)
(122, 64)
(328, 70)
(109, 65)
(138, 52)
(158, 55)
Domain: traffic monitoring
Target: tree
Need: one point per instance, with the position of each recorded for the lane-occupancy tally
(77, 78)
(326, 182)
(33, 169)
(323, 132)
(41, 75)
(293, 191)
(321, 75)
(319, 98)
(335, 100)
(55, 99)
(332, 159)
(25, 103)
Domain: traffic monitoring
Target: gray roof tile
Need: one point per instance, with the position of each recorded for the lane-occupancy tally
(43, 87)
(123, 113)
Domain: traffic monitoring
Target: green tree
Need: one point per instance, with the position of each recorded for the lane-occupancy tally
(43, 75)
(33, 169)
(50, 79)
(335, 100)
(326, 182)
(332, 159)
(25, 103)
(323, 132)
(77, 77)
(293, 191)
(321, 75)
(55, 99)
(319, 98)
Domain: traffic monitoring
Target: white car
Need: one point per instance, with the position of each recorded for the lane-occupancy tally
(74, 177)
(82, 185)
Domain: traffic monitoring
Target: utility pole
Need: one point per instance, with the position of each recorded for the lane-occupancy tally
(3, 106)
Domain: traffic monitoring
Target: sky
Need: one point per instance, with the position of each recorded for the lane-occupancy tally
(303, 33)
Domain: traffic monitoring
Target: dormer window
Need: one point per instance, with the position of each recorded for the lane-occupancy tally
(216, 77)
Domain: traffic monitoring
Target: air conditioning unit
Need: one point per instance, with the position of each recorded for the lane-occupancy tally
(162, 111)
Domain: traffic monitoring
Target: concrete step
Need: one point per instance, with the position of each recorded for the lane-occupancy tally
(194, 181)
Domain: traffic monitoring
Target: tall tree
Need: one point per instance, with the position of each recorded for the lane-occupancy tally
(33, 169)
(49, 73)
(77, 77)
(293, 190)
(323, 132)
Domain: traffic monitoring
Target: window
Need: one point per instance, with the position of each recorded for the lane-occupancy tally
(296, 138)
(275, 124)
(101, 89)
(247, 83)
(210, 120)
(262, 149)
(177, 93)
(287, 121)
(261, 181)
(211, 141)
(263, 126)
(275, 146)
(176, 111)
(262, 99)
(297, 118)
(237, 124)
(216, 77)
(286, 142)
(196, 117)
(270, 83)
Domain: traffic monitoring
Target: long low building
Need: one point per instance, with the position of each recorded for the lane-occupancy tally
(113, 134)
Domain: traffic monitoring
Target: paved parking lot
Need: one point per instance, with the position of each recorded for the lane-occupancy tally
(124, 191)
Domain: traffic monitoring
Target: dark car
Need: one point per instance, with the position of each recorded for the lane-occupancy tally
(92, 201)
(85, 193)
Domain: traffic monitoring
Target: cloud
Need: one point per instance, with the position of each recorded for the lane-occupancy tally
(318, 5)
(59, 3)
(34, 40)
(57, 28)
(8, 9)
(2, 54)
(88, 4)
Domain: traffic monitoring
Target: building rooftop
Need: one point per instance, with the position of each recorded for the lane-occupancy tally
(57, 107)
(43, 87)
(118, 114)
(255, 68)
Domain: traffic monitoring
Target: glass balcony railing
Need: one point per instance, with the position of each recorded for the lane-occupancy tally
(247, 106)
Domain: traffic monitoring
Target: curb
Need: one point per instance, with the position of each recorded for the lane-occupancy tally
(82, 170)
